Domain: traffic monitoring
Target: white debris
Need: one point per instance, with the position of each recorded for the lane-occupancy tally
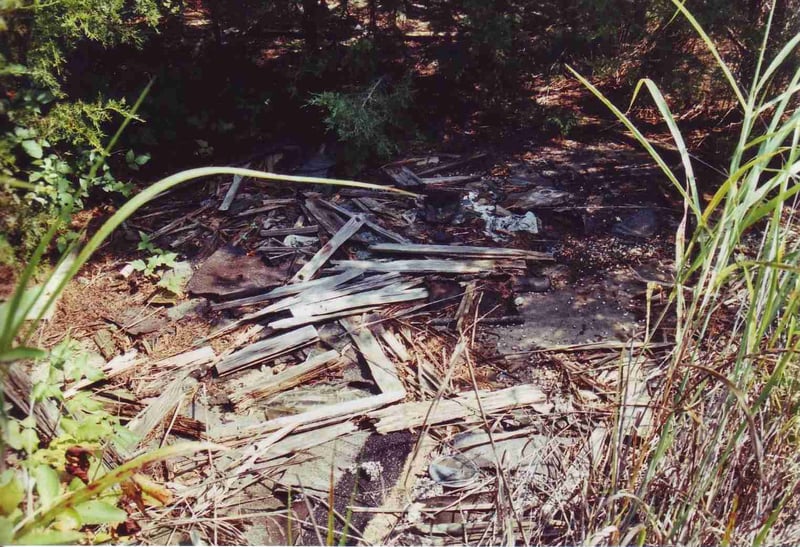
(497, 224)
(294, 240)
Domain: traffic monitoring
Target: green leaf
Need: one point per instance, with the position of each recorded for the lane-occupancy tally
(47, 484)
(19, 437)
(100, 512)
(21, 354)
(43, 517)
(139, 265)
(33, 149)
(130, 157)
(142, 159)
(6, 531)
(50, 537)
(11, 493)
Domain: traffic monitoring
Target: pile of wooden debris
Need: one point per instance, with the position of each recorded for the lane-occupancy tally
(350, 386)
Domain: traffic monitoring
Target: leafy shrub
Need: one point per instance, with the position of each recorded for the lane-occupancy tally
(368, 122)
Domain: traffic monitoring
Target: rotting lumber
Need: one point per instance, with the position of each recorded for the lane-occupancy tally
(461, 251)
(310, 269)
(464, 408)
(268, 349)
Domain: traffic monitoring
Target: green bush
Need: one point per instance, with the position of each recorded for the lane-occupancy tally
(369, 122)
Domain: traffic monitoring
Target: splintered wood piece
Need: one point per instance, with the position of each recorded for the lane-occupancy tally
(291, 322)
(169, 228)
(426, 266)
(287, 290)
(232, 191)
(268, 205)
(320, 294)
(452, 180)
(329, 220)
(459, 250)
(383, 370)
(293, 376)
(267, 349)
(299, 230)
(147, 420)
(377, 228)
(403, 176)
(463, 408)
(324, 415)
(315, 296)
(323, 255)
(17, 388)
(445, 166)
(303, 441)
(465, 306)
(395, 344)
(387, 295)
(195, 359)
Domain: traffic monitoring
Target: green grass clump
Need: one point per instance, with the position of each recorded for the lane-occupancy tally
(721, 462)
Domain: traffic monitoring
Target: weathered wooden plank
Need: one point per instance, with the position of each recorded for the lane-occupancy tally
(458, 250)
(313, 294)
(330, 221)
(300, 230)
(451, 180)
(266, 349)
(324, 254)
(267, 206)
(320, 294)
(426, 265)
(463, 408)
(287, 290)
(383, 370)
(387, 295)
(292, 376)
(328, 414)
(403, 176)
(232, 191)
(445, 166)
(291, 322)
(147, 420)
(377, 228)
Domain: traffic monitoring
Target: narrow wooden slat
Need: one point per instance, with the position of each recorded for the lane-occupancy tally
(463, 408)
(300, 230)
(458, 250)
(324, 254)
(425, 266)
(287, 290)
(382, 369)
(292, 376)
(388, 295)
(266, 349)
(377, 228)
(232, 191)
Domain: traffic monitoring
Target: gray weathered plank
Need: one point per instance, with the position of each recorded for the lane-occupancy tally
(426, 265)
(232, 191)
(383, 370)
(459, 250)
(463, 408)
(267, 349)
(248, 395)
(323, 255)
